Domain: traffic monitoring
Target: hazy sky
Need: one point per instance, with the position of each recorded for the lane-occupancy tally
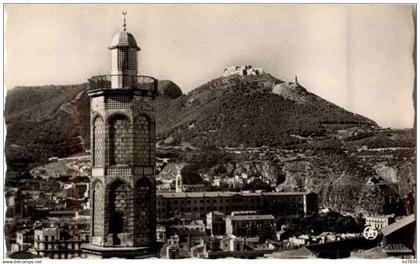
(356, 56)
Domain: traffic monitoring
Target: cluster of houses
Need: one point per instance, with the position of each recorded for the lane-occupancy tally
(241, 233)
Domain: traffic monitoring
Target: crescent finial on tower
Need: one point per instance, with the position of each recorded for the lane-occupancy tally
(124, 25)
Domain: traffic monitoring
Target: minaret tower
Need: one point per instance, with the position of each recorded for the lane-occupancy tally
(123, 189)
(178, 180)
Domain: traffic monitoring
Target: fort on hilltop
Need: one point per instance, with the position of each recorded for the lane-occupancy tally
(242, 70)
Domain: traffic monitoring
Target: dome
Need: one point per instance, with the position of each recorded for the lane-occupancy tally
(123, 39)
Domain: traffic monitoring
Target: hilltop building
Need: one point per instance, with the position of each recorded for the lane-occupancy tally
(242, 70)
(122, 196)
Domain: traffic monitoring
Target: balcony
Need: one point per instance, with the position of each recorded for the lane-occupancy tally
(119, 81)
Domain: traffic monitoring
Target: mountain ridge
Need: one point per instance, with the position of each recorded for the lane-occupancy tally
(295, 138)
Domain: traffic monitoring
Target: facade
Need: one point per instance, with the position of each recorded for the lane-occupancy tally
(197, 225)
(215, 222)
(52, 243)
(379, 221)
(122, 196)
(282, 205)
(24, 240)
(248, 224)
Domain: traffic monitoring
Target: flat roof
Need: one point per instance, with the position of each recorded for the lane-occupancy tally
(224, 194)
(252, 217)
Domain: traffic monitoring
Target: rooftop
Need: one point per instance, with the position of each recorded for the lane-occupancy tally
(397, 248)
(123, 39)
(252, 217)
(225, 194)
(398, 225)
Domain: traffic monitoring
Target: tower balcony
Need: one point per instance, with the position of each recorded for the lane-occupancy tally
(145, 84)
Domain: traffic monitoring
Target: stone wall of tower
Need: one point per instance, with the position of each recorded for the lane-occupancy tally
(144, 164)
(123, 165)
(97, 188)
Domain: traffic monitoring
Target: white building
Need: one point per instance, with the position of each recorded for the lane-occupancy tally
(242, 70)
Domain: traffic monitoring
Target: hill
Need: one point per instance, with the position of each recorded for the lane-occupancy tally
(43, 122)
(50, 121)
(246, 131)
(253, 111)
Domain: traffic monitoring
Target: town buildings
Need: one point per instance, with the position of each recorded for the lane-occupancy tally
(285, 206)
(56, 243)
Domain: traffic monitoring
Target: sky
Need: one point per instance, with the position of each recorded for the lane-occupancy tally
(356, 56)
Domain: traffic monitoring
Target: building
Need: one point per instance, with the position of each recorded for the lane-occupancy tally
(395, 240)
(192, 225)
(178, 181)
(183, 244)
(160, 233)
(53, 243)
(250, 224)
(24, 240)
(379, 221)
(229, 246)
(232, 243)
(172, 247)
(123, 187)
(242, 70)
(215, 222)
(285, 206)
(181, 187)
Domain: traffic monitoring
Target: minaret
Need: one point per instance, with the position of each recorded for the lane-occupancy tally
(123, 188)
(178, 180)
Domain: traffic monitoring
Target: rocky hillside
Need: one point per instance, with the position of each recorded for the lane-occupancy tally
(253, 111)
(44, 122)
(52, 121)
(249, 132)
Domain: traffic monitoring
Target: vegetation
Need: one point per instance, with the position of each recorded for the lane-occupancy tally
(330, 222)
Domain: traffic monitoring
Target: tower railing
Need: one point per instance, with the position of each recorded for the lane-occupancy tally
(137, 82)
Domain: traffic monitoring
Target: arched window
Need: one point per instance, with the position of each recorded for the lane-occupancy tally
(98, 142)
(144, 200)
(119, 208)
(119, 140)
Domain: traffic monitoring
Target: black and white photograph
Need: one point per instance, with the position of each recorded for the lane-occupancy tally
(209, 131)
